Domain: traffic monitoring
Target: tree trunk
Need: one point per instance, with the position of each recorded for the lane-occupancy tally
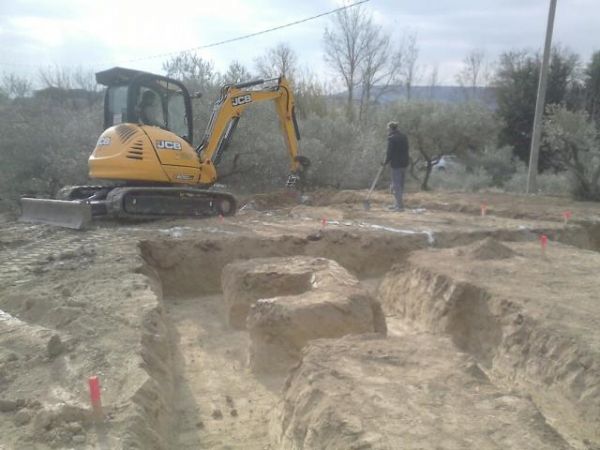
(350, 106)
(411, 170)
(428, 169)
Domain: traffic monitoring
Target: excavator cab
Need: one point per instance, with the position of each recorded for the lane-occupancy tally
(140, 97)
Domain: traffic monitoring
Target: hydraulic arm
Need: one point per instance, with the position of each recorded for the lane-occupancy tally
(228, 108)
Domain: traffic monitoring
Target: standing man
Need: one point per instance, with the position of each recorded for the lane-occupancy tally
(397, 156)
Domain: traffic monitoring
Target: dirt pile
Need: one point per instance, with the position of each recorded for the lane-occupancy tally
(280, 327)
(417, 391)
(513, 315)
(290, 301)
(244, 282)
(350, 197)
(316, 213)
(490, 248)
(272, 200)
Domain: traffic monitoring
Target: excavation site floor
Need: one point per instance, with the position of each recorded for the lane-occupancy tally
(307, 323)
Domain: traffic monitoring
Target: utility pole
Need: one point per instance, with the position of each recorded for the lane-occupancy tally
(536, 135)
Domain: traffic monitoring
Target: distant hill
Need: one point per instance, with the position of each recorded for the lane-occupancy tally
(448, 94)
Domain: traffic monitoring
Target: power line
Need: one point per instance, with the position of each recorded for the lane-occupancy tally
(214, 44)
(246, 36)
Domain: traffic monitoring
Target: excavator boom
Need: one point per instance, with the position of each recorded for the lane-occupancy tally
(228, 108)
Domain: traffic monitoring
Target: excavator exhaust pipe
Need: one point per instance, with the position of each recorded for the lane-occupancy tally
(69, 214)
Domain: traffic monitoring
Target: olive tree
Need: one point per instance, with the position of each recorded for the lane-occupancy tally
(439, 129)
(574, 142)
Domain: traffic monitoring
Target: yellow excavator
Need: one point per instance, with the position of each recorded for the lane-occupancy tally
(147, 154)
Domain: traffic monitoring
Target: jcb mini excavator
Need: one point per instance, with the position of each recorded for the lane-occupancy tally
(147, 154)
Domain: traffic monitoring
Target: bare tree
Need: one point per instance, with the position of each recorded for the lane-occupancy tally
(68, 78)
(85, 79)
(410, 67)
(311, 94)
(433, 81)
(472, 73)
(191, 68)
(15, 86)
(346, 47)
(55, 77)
(279, 60)
(236, 73)
(380, 67)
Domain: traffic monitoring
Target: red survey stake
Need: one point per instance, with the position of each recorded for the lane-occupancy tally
(94, 383)
(544, 243)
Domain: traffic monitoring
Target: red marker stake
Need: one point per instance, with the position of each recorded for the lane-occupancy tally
(95, 400)
(567, 216)
(544, 243)
(483, 209)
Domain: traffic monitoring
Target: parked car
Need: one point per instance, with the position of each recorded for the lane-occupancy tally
(447, 162)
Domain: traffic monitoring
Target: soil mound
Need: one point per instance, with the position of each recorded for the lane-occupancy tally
(287, 302)
(244, 282)
(274, 200)
(307, 212)
(490, 248)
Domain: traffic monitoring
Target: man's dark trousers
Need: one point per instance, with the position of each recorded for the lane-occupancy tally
(398, 185)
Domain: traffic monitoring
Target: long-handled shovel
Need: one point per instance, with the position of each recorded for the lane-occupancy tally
(367, 202)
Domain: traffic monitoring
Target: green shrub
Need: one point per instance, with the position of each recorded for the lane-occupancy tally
(548, 183)
(459, 179)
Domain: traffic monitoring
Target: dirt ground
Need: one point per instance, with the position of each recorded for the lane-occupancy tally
(498, 341)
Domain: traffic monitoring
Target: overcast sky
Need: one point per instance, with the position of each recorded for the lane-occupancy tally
(98, 34)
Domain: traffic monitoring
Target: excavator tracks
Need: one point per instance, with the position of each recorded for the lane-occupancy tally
(161, 202)
(76, 206)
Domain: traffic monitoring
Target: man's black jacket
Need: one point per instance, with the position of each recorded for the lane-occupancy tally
(397, 150)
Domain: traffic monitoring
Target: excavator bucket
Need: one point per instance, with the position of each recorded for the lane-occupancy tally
(62, 213)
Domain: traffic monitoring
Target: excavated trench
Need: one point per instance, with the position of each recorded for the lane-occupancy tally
(202, 394)
(212, 399)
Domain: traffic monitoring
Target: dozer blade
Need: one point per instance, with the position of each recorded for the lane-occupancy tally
(61, 213)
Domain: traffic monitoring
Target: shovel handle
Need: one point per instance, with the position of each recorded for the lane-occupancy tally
(375, 181)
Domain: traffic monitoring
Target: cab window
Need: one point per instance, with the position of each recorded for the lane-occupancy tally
(150, 107)
(162, 106)
(116, 106)
(176, 114)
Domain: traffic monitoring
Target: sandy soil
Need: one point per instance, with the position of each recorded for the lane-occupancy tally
(138, 305)
(532, 319)
(220, 404)
(415, 391)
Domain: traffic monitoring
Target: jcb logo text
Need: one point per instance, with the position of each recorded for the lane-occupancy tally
(168, 145)
(241, 100)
